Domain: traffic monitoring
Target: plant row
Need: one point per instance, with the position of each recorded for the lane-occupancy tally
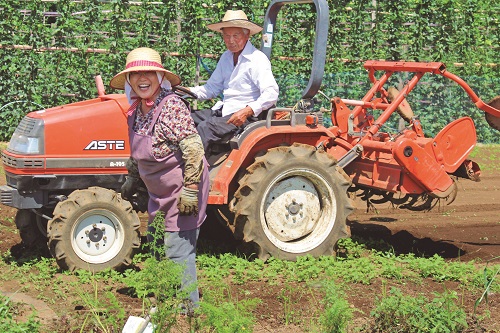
(229, 303)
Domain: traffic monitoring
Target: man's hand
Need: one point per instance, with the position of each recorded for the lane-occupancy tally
(239, 117)
(188, 201)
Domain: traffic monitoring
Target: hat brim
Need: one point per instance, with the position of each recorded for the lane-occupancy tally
(118, 81)
(252, 27)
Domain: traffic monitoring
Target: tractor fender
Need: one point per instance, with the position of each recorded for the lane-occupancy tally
(422, 167)
(258, 142)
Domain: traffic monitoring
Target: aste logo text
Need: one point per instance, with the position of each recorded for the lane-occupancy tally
(106, 145)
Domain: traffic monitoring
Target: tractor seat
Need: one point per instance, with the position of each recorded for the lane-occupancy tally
(220, 150)
(223, 144)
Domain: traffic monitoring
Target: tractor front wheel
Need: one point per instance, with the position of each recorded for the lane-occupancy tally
(292, 201)
(93, 229)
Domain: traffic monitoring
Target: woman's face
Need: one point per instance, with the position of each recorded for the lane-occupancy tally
(145, 84)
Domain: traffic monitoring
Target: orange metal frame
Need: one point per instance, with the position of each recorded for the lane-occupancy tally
(407, 163)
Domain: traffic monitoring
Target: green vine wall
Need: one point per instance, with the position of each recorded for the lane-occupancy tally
(50, 51)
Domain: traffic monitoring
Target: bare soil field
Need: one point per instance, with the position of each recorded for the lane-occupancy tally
(466, 230)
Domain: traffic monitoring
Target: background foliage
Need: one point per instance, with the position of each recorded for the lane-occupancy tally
(50, 51)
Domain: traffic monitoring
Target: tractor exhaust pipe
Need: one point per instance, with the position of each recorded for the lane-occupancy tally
(100, 86)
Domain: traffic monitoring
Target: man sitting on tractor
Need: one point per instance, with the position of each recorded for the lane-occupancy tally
(243, 75)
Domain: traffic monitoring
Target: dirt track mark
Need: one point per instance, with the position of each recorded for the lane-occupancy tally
(43, 311)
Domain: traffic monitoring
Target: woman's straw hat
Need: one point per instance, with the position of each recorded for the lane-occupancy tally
(235, 19)
(143, 59)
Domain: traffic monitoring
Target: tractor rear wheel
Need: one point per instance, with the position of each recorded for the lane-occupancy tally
(292, 201)
(94, 229)
(491, 119)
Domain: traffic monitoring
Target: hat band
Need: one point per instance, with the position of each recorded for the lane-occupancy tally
(138, 63)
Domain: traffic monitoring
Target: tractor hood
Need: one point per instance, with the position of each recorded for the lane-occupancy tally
(92, 127)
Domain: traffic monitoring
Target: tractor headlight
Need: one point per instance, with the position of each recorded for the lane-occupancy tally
(28, 137)
(24, 145)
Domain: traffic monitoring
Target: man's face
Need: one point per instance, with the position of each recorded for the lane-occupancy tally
(234, 38)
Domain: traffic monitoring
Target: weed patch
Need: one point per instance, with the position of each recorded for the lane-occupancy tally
(397, 312)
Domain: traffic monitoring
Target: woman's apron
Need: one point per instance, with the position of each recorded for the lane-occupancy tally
(164, 178)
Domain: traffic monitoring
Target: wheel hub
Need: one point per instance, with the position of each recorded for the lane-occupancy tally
(95, 235)
(292, 208)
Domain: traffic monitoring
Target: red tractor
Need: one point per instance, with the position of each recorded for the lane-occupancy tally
(282, 184)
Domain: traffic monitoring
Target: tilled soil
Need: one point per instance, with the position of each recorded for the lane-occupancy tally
(467, 229)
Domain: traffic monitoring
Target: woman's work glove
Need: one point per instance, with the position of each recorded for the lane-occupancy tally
(188, 201)
(130, 187)
(133, 180)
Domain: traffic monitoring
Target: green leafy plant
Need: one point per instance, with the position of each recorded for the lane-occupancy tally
(415, 314)
(223, 314)
(337, 312)
(158, 282)
(489, 277)
(105, 314)
(439, 270)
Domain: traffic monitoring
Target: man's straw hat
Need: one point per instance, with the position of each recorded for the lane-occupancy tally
(143, 59)
(235, 19)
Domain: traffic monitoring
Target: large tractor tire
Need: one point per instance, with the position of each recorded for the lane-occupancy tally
(491, 119)
(94, 229)
(292, 201)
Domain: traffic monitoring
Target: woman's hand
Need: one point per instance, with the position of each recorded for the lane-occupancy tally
(188, 200)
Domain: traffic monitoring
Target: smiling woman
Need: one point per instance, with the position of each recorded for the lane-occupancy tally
(167, 155)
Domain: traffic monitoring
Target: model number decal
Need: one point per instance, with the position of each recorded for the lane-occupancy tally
(106, 144)
(116, 164)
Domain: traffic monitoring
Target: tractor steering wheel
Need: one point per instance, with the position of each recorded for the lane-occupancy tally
(184, 92)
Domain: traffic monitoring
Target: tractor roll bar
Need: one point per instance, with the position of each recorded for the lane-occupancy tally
(320, 41)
